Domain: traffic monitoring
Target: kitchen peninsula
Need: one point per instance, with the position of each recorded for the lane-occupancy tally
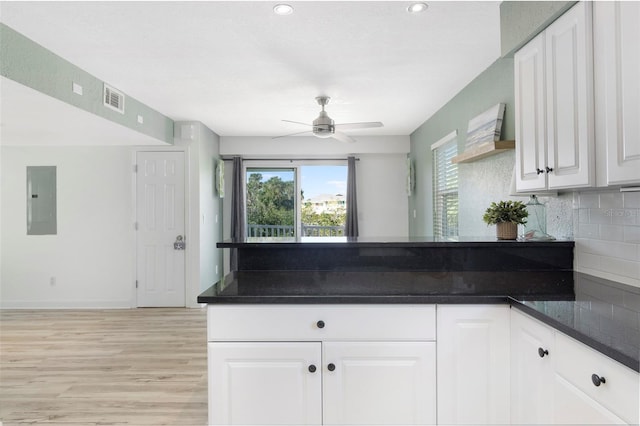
(392, 270)
(348, 331)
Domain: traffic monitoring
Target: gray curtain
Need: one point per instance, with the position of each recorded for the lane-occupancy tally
(351, 227)
(237, 210)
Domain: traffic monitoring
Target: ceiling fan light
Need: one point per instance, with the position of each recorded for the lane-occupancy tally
(417, 7)
(283, 9)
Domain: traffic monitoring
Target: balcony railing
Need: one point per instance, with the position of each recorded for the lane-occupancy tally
(289, 231)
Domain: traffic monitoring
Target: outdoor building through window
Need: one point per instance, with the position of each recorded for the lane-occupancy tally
(445, 187)
(304, 200)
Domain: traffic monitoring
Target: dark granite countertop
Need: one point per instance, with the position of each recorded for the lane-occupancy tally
(364, 242)
(602, 314)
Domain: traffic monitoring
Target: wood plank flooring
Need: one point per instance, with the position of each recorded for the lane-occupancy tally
(103, 367)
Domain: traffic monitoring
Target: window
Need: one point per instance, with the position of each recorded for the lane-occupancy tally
(445, 187)
(306, 200)
(271, 202)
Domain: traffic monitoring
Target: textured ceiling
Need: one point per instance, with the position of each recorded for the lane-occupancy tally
(240, 69)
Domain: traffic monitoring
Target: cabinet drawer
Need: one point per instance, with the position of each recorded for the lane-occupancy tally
(576, 363)
(321, 322)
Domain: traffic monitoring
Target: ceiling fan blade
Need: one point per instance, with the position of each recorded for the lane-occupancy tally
(291, 134)
(297, 122)
(363, 125)
(342, 137)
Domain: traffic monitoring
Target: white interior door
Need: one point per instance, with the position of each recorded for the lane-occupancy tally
(160, 223)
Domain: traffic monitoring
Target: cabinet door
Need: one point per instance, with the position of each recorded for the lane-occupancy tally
(569, 100)
(473, 364)
(265, 383)
(572, 406)
(531, 371)
(617, 85)
(530, 116)
(379, 383)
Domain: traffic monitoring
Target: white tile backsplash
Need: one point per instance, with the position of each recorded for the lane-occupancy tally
(611, 200)
(631, 200)
(607, 235)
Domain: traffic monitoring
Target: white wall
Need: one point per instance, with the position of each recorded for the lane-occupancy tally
(382, 195)
(92, 255)
(210, 209)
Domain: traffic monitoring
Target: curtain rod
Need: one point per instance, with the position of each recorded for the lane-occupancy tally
(227, 158)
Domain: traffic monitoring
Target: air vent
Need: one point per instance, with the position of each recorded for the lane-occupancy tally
(113, 99)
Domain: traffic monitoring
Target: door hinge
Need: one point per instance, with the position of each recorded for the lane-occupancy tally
(135, 168)
(136, 283)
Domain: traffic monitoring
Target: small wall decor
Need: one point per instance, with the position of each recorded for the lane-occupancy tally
(411, 177)
(220, 178)
(486, 127)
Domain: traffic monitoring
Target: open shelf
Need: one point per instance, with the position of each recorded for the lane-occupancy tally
(483, 150)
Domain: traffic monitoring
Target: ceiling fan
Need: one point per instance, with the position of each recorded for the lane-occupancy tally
(325, 127)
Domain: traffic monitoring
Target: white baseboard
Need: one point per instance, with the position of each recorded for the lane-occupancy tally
(66, 304)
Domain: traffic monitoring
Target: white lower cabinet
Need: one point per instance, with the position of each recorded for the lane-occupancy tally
(571, 383)
(473, 364)
(265, 383)
(322, 364)
(531, 371)
(381, 383)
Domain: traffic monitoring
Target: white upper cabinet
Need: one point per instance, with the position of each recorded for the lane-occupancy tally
(531, 140)
(554, 105)
(617, 91)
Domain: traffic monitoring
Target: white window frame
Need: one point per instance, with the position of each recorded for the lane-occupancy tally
(440, 222)
(287, 164)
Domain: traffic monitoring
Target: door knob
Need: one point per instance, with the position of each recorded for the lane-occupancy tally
(179, 244)
(331, 367)
(312, 368)
(320, 324)
(542, 352)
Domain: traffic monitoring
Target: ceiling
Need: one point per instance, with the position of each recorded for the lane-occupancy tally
(240, 69)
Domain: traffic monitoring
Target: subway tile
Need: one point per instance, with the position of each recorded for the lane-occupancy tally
(611, 200)
(617, 249)
(583, 215)
(632, 234)
(624, 216)
(600, 216)
(621, 267)
(611, 232)
(589, 200)
(588, 230)
(631, 200)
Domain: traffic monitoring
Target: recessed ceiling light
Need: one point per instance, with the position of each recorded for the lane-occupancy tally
(282, 9)
(417, 7)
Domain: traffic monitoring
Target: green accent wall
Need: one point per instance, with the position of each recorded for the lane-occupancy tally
(520, 21)
(32, 65)
(492, 86)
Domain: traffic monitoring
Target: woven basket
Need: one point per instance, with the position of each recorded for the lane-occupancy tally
(507, 231)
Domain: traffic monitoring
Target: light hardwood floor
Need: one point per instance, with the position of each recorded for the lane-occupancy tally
(88, 367)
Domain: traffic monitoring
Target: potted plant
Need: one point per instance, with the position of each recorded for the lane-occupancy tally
(506, 215)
